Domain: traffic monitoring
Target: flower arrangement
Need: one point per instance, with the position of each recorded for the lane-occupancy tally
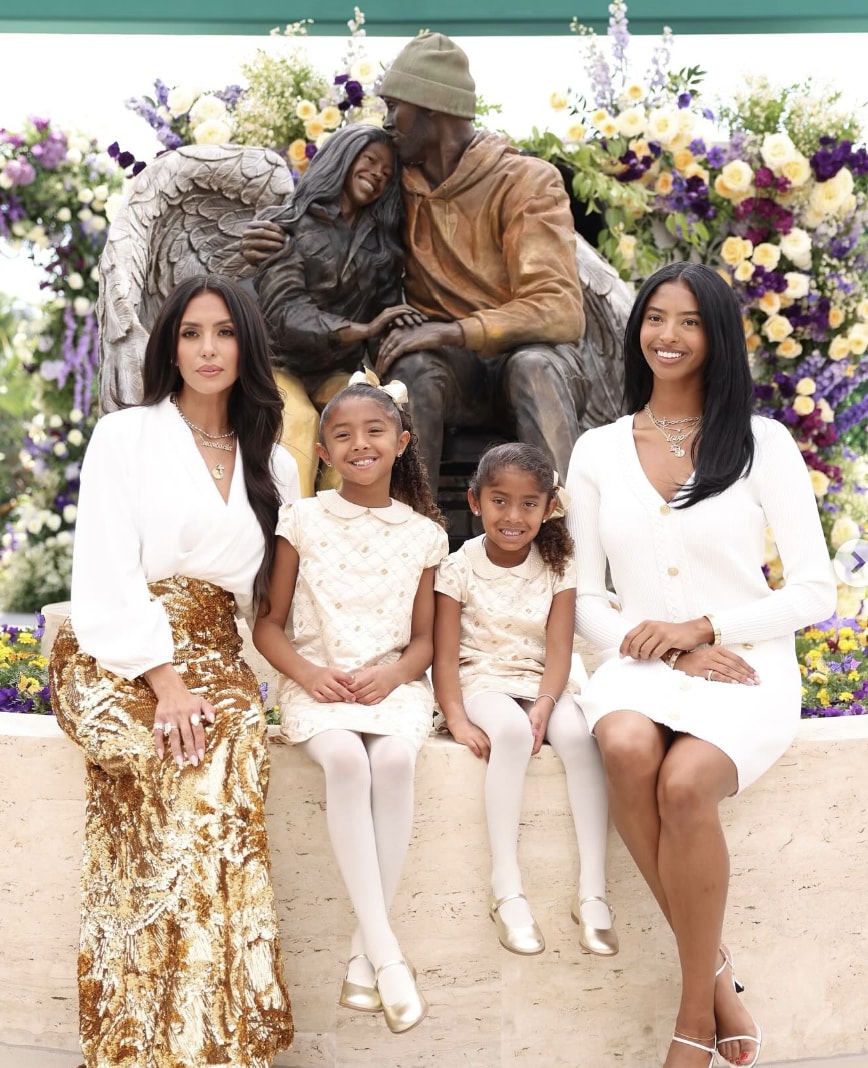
(23, 671)
(55, 188)
(833, 665)
(184, 115)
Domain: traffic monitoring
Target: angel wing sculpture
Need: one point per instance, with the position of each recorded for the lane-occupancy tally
(608, 300)
(184, 215)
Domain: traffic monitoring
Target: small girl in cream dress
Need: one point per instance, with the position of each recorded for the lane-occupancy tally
(355, 569)
(503, 652)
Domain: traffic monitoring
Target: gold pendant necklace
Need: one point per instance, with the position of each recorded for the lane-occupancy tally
(681, 429)
(218, 470)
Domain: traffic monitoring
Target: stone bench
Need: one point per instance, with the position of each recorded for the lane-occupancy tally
(799, 884)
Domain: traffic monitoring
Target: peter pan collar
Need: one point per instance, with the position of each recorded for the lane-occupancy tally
(475, 552)
(333, 502)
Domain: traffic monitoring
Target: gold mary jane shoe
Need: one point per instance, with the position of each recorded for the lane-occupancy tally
(527, 940)
(603, 941)
(402, 1015)
(357, 997)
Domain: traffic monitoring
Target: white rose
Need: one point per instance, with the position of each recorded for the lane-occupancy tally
(798, 285)
(828, 197)
(75, 437)
(76, 416)
(737, 175)
(664, 125)
(85, 195)
(75, 281)
(55, 422)
(5, 181)
(81, 306)
(777, 149)
(180, 100)
(64, 538)
(64, 215)
(207, 107)
(59, 450)
(69, 513)
(212, 132)
(844, 529)
(74, 156)
(631, 122)
(796, 246)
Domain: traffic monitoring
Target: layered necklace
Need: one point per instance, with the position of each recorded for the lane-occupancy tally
(676, 431)
(209, 441)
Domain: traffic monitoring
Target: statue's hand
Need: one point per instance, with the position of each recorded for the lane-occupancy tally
(428, 335)
(260, 240)
(399, 315)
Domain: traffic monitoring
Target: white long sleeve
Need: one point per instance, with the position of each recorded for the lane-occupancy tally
(679, 564)
(149, 509)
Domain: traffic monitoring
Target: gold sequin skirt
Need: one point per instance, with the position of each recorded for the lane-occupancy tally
(179, 961)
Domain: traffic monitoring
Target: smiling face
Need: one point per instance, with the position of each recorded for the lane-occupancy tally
(368, 177)
(361, 440)
(672, 336)
(207, 349)
(513, 508)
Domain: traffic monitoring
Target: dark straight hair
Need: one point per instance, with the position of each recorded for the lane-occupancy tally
(723, 448)
(255, 405)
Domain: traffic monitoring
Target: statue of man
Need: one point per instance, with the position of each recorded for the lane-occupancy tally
(490, 261)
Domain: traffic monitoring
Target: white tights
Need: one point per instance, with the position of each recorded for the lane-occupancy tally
(506, 723)
(369, 812)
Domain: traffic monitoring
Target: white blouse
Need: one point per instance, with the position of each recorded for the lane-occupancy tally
(148, 509)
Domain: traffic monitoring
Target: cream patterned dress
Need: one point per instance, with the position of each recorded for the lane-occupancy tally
(504, 611)
(359, 570)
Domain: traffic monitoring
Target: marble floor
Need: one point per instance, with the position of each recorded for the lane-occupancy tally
(27, 1057)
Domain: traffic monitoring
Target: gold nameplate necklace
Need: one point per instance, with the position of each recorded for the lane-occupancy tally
(209, 441)
(676, 431)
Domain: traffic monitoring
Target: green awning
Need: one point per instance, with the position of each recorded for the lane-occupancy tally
(405, 17)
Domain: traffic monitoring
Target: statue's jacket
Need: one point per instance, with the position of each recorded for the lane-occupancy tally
(494, 247)
(325, 278)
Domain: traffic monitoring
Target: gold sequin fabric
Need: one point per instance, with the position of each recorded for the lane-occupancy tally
(179, 960)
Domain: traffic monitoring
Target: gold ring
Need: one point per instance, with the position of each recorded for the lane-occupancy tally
(710, 673)
(195, 720)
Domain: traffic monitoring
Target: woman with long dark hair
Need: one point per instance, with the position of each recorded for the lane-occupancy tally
(335, 287)
(699, 690)
(179, 961)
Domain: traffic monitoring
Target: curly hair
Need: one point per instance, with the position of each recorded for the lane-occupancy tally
(409, 483)
(552, 539)
(255, 405)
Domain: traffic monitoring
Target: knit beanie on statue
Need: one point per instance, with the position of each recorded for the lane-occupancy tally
(432, 72)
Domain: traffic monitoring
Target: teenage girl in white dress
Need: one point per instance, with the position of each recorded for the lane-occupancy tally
(355, 569)
(503, 651)
(699, 690)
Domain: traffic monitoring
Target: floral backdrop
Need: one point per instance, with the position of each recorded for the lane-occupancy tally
(771, 188)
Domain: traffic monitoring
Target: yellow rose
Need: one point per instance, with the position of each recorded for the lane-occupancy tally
(777, 327)
(558, 101)
(627, 247)
(803, 405)
(296, 151)
(840, 348)
(734, 250)
(305, 110)
(600, 115)
(806, 386)
(797, 170)
(828, 197)
(789, 349)
(770, 303)
(631, 122)
(858, 338)
(663, 185)
(826, 413)
(844, 529)
(682, 159)
(314, 129)
(862, 309)
(722, 189)
(836, 317)
(737, 175)
(609, 128)
(640, 147)
(330, 117)
(576, 132)
(819, 483)
(744, 272)
(696, 170)
(754, 342)
(766, 255)
(635, 92)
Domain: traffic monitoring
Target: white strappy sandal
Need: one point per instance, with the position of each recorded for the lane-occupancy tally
(757, 1039)
(685, 1041)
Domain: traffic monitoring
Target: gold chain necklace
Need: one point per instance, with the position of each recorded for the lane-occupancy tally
(208, 441)
(681, 429)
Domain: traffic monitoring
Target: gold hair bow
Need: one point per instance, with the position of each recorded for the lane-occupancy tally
(396, 390)
(562, 498)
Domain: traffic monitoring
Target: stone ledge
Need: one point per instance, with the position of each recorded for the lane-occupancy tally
(795, 914)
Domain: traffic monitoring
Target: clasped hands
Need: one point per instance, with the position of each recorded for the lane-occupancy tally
(651, 638)
(367, 686)
(179, 720)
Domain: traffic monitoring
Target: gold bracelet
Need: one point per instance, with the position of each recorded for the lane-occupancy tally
(672, 659)
(549, 696)
(715, 628)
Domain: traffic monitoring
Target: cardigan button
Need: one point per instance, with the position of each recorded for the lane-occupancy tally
(665, 509)
(672, 570)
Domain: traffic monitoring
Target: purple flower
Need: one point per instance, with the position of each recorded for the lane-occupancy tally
(707, 113)
(20, 171)
(310, 150)
(52, 151)
(230, 95)
(168, 138)
(162, 91)
(763, 178)
(684, 100)
(697, 146)
(716, 156)
(341, 79)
